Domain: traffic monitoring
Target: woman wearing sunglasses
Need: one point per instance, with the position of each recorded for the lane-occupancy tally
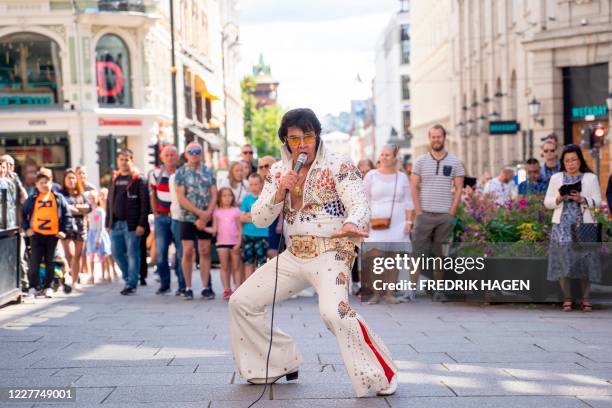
(326, 214)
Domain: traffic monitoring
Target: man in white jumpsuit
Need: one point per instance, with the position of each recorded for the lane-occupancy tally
(326, 213)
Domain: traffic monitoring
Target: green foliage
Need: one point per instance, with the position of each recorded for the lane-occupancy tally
(247, 86)
(266, 122)
(260, 125)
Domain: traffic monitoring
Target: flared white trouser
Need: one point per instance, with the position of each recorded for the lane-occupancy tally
(366, 358)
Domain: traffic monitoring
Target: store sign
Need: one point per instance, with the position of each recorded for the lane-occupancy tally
(580, 112)
(33, 99)
(110, 78)
(119, 122)
(504, 127)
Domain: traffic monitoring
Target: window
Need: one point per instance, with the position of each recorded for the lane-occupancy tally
(405, 87)
(405, 43)
(30, 71)
(113, 72)
(406, 122)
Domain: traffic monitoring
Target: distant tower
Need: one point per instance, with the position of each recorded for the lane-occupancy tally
(265, 85)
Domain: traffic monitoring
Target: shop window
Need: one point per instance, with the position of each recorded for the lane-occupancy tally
(113, 72)
(30, 71)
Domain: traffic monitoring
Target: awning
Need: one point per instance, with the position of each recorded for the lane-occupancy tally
(211, 138)
(208, 85)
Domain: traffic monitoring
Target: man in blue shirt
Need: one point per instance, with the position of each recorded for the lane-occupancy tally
(534, 183)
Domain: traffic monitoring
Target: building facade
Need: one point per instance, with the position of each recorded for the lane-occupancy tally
(543, 66)
(430, 72)
(392, 86)
(76, 73)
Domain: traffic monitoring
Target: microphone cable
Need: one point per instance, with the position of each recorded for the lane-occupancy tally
(280, 243)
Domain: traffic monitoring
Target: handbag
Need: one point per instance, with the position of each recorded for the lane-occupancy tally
(384, 223)
(587, 231)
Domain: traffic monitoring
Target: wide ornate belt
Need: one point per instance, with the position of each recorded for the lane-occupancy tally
(309, 246)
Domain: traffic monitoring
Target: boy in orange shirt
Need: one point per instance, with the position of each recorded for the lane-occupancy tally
(45, 219)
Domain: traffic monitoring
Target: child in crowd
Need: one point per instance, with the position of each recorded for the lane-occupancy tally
(228, 229)
(254, 239)
(46, 218)
(109, 261)
(98, 240)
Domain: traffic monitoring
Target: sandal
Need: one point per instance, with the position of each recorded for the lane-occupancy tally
(567, 306)
(586, 306)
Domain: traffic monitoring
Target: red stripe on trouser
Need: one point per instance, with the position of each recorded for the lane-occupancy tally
(388, 372)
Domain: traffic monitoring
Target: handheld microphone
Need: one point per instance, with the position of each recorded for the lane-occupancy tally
(300, 162)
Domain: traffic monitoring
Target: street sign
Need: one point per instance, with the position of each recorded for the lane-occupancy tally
(504, 127)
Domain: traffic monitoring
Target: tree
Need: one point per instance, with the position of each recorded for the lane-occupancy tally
(260, 125)
(266, 122)
(247, 85)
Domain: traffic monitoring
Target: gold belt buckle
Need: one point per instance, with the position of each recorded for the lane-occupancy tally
(304, 247)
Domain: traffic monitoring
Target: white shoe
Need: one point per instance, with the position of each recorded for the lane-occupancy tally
(49, 293)
(390, 390)
(271, 380)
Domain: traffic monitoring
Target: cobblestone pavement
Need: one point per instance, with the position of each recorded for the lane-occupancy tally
(162, 351)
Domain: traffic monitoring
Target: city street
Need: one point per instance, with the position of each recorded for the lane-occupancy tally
(161, 351)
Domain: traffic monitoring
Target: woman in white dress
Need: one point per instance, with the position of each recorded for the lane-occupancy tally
(236, 181)
(388, 192)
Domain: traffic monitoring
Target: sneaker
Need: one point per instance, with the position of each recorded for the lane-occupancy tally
(128, 291)
(162, 291)
(143, 282)
(189, 294)
(39, 293)
(179, 292)
(208, 294)
(49, 293)
(227, 294)
(355, 288)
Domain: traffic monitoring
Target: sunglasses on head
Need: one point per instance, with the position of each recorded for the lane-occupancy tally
(194, 152)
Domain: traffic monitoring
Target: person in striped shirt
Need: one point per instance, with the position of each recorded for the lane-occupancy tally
(436, 183)
(160, 205)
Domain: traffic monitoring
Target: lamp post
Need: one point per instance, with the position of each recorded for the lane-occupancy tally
(173, 74)
(534, 111)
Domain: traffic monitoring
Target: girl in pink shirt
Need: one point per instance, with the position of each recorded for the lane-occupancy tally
(228, 229)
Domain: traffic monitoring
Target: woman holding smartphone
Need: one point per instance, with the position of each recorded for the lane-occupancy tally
(573, 194)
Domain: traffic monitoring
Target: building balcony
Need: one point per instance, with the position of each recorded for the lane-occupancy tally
(122, 13)
(122, 5)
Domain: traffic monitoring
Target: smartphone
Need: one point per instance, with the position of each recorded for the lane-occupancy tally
(566, 189)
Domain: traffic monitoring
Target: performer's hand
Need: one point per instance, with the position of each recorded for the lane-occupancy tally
(351, 231)
(288, 181)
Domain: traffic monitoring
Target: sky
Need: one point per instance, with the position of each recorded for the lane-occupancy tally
(315, 48)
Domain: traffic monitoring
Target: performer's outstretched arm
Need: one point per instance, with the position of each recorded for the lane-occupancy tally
(264, 210)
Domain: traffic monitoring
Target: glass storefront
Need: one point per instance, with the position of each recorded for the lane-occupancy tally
(34, 150)
(113, 72)
(30, 71)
